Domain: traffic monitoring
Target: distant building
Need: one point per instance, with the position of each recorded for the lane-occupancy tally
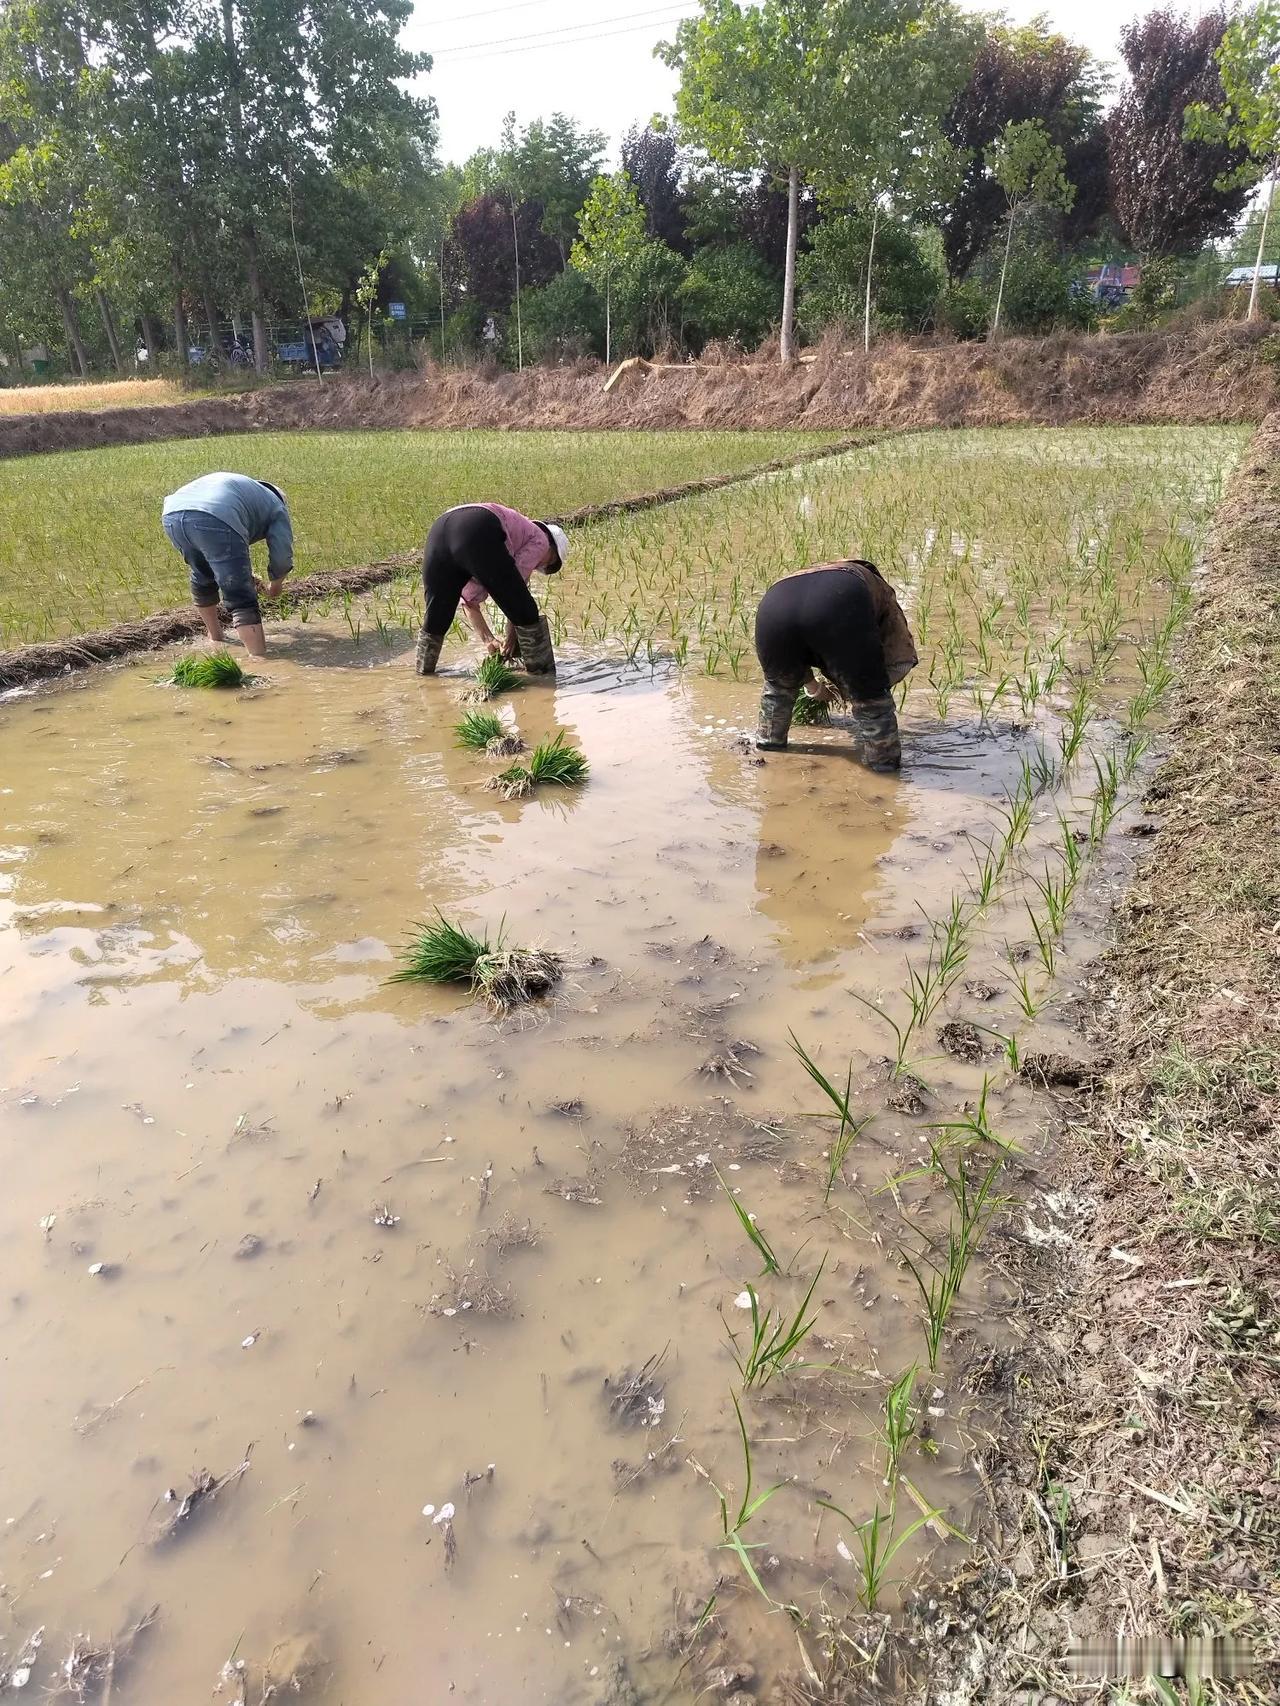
(1242, 277)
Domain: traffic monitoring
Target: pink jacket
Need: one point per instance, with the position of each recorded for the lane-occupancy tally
(526, 542)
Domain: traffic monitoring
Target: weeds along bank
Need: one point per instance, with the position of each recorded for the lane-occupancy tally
(1209, 373)
(1137, 1485)
(653, 1338)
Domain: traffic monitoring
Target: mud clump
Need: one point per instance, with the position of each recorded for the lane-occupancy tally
(962, 1039)
(1061, 1072)
(636, 1397)
(907, 1095)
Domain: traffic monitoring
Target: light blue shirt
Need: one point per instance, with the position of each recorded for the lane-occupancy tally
(246, 506)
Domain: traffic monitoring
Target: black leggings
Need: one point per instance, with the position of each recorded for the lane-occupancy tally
(823, 620)
(469, 544)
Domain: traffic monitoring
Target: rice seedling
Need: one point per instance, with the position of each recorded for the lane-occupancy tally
(513, 783)
(811, 713)
(1046, 943)
(1056, 893)
(773, 1342)
(1029, 1001)
(476, 729)
(753, 1232)
(878, 1542)
(848, 1129)
(501, 976)
(493, 676)
(748, 1507)
(207, 669)
(938, 1292)
(553, 761)
(901, 1033)
(974, 1125)
(900, 1417)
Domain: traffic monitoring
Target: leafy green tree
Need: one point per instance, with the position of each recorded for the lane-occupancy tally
(1029, 167)
(728, 293)
(907, 279)
(563, 319)
(1249, 118)
(612, 235)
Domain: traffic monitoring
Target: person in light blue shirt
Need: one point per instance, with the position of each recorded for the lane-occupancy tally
(213, 521)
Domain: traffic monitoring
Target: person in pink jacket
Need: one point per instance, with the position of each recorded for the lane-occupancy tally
(479, 551)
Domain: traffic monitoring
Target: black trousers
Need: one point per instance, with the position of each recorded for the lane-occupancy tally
(822, 620)
(469, 544)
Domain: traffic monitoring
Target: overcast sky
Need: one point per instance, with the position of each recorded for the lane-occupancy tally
(594, 58)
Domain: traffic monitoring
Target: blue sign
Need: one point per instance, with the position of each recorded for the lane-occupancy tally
(396, 310)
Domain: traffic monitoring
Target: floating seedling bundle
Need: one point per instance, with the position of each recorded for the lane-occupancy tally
(551, 761)
(500, 975)
(207, 669)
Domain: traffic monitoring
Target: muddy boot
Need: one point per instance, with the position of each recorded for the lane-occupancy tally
(777, 706)
(875, 734)
(428, 652)
(534, 642)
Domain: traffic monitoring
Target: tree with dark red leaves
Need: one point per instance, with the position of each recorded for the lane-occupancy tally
(651, 159)
(482, 249)
(1020, 75)
(1164, 186)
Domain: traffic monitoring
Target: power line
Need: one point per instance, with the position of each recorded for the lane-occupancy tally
(532, 43)
(557, 30)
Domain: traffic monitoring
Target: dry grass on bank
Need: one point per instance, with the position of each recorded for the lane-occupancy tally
(1139, 1491)
(72, 398)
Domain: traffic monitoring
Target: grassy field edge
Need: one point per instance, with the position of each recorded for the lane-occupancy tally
(1135, 1489)
(24, 666)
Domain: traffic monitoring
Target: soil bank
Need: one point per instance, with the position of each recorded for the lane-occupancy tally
(1136, 1487)
(1207, 374)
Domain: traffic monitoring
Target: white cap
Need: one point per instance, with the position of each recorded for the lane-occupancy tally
(560, 537)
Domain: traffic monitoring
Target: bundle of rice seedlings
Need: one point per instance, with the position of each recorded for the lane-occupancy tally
(811, 713)
(553, 761)
(441, 952)
(475, 729)
(513, 783)
(208, 669)
(493, 677)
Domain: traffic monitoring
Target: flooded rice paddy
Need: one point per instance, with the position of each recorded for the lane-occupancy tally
(395, 1352)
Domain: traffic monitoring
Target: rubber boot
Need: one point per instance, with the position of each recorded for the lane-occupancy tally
(428, 652)
(875, 734)
(777, 706)
(535, 647)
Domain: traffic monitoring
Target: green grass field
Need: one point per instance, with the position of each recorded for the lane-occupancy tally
(80, 538)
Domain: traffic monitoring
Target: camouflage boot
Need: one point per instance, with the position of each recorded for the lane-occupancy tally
(777, 706)
(534, 642)
(428, 652)
(875, 734)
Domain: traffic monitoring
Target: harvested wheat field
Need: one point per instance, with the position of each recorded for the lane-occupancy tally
(516, 1195)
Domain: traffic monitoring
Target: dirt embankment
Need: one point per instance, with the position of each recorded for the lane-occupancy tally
(1207, 374)
(1139, 1489)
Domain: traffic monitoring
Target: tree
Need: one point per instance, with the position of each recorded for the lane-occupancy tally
(1020, 74)
(728, 293)
(1029, 167)
(819, 88)
(651, 159)
(1249, 65)
(1164, 184)
(833, 275)
(612, 230)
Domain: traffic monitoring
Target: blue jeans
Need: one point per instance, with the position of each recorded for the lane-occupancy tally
(218, 559)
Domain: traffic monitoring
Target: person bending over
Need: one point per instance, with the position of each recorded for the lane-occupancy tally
(480, 551)
(843, 620)
(213, 521)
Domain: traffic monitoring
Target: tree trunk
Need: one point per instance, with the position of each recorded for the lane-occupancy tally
(71, 325)
(441, 276)
(1262, 245)
(257, 302)
(515, 239)
(871, 261)
(109, 327)
(180, 334)
(1008, 245)
(787, 342)
(608, 321)
(151, 338)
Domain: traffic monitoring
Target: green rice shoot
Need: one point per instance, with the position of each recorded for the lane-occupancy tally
(475, 729)
(553, 761)
(207, 669)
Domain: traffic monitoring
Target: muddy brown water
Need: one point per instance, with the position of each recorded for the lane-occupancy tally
(209, 1088)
